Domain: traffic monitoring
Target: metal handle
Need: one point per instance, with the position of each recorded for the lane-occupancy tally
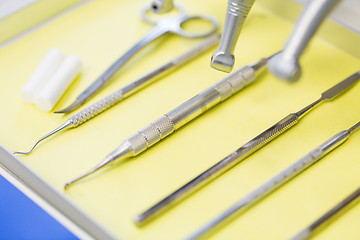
(286, 64)
(275, 182)
(219, 168)
(189, 110)
(215, 94)
(237, 11)
(96, 108)
(151, 134)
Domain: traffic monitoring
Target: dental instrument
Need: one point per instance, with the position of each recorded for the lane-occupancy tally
(112, 99)
(172, 121)
(242, 153)
(223, 58)
(286, 65)
(164, 25)
(327, 217)
(277, 181)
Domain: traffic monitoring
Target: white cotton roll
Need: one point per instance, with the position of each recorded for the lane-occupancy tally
(58, 83)
(42, 74)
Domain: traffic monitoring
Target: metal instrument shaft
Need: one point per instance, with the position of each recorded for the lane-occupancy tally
(172, 121)
(241, 153)
(117, 96)
(277, 181)
(324, 219)
(172, 24)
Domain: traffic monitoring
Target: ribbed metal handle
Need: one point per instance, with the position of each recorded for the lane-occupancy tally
(191, 109)
(240, 7)
(151, 134)
(96, 108)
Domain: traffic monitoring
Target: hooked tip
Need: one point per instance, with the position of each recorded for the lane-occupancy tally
(28, 152)
(24, 153)
(63, 126)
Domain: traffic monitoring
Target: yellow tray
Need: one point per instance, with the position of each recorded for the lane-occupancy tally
(99, 32)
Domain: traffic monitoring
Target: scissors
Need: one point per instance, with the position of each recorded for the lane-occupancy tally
(171, 24)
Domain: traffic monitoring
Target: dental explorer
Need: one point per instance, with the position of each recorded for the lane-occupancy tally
(172, 24)
(242, 153)
(277, 181)
(328, 216)
(173, 120)
(117, 96)
(237, 11)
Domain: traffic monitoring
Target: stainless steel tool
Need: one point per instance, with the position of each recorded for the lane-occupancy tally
(172, 121)
(277, 181)
(164, 25)
(117, 96)
(243, 152)
(162, 6)
(286, 65)
(223, 58)
(327, 217)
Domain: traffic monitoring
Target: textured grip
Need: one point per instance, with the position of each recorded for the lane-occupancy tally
(271, 133)
(243, 152)
(151, 134)
(240, 7)
(220, 167)
(96, 108)
(235, 82)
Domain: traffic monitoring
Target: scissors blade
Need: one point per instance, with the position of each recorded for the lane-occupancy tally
(74, 105)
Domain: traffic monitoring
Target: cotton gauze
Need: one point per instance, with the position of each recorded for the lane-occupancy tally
(42, 74)
(58, 83)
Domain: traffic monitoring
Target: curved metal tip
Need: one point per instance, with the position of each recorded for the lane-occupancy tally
(28, 152)
(65, 125)
(102, 164)
(70, 108)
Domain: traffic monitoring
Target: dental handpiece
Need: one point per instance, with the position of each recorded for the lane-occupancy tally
(286, 65)
(172, 121)
(280, 179)
(242, 153)
(237, 11)
(105, 103)
(327, 217)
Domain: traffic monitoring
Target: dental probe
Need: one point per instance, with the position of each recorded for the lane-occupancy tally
(173, 120)
(307, 232)
(241, 153)
(280, 179)
(117, 96)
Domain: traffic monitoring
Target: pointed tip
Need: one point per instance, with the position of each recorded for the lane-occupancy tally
(102, 164)
(70, 108)
(23, 153)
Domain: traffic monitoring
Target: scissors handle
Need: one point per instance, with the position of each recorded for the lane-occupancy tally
(163, 26)
(174, 24)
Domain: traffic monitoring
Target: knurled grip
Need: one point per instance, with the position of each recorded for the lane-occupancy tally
(151, 134)
(240, 7)
(96, 108)
(235, 82)
(220, 167)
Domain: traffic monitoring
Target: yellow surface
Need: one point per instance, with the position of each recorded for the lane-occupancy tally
(99, 33)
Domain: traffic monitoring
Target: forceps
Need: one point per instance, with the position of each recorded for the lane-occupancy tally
(164, 25)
